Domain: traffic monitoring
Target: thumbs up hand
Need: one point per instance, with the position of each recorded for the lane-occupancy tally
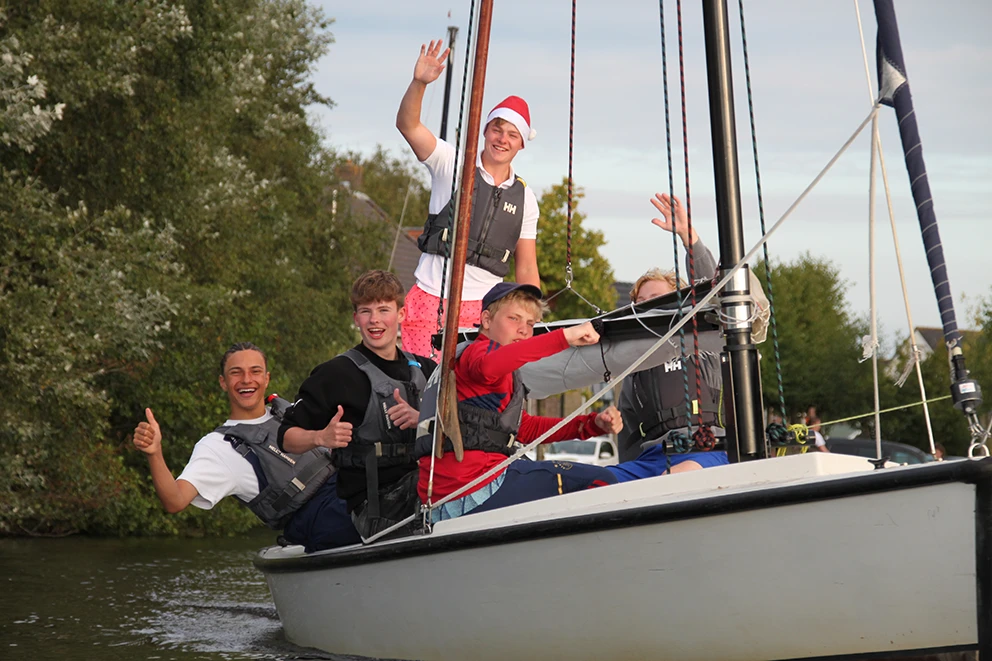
(336, 434)
(402, 414)
(148, 435)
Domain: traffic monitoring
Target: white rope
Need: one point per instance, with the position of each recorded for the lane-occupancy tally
(665, 338)
(914, 348)
(702, 302)
(871, 286)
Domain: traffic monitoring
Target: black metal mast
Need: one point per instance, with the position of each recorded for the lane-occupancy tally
(742, 383)
(452, 33)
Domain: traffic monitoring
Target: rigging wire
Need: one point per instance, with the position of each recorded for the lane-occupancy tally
(671, 197)
(717, 287)
(447, 249)
(569, 273)
(761, 216)
(915, 350)
(704, 441)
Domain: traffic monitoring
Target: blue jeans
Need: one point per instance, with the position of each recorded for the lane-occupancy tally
(525, 481)
(323, 522)
(653, 462)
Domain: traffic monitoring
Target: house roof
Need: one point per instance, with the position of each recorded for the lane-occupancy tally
(934, 337)
(622, 288)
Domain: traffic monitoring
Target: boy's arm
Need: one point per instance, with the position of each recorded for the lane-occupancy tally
(487, 362)
(175, 495)
(429, 66)
(582, 427)
(525, 262)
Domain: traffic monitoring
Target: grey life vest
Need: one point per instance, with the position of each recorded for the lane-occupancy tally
(657, 398)
(497, 216)
(482, 429)
(377, 439)
(285, 481)
(377, 442)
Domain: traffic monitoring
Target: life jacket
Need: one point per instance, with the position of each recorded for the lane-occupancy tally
(377, 442)
(285, 481)
(657, 400)
(482, 429)
(497, 216)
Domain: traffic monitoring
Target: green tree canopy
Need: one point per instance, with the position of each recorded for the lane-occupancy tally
(592, 273)
(162, 195)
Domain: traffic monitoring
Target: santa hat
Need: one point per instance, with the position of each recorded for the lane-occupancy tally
(514, 110)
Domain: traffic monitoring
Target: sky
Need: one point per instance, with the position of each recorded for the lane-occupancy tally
(810, 94)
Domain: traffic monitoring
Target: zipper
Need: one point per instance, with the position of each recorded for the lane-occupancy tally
(497, 193)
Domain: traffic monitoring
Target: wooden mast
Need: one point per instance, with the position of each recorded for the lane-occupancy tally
(448, 399)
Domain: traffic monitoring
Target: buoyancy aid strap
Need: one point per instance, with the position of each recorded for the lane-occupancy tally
(245, 451)
(487, 250)
(299, 483)
(663, 416)
(372, 479)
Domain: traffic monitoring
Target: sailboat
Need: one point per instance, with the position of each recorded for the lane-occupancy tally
(799, 557)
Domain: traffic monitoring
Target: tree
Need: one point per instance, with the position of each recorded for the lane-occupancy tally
(162, 195)
(593, 276)
(819, 342)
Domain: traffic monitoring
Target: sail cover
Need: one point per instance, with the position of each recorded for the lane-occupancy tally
(893, 90)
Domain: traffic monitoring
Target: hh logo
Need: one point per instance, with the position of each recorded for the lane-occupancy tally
(673, 365)
(510, 208)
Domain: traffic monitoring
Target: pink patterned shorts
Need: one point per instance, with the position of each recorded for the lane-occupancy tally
(421, 319)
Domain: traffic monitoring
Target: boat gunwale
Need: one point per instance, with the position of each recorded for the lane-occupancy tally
(973, 471)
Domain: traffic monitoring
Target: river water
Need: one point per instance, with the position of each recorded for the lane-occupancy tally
(107, 599)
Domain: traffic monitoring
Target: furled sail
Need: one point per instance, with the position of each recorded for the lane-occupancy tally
(894, 91)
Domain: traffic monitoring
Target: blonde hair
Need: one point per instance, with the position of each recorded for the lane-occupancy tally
(657, 275)
(519, 296)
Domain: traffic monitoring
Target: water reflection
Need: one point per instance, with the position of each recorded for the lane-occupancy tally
(79, 598)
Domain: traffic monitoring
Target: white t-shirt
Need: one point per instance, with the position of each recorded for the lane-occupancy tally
(217, 470)
(478, 281)
(819, 438)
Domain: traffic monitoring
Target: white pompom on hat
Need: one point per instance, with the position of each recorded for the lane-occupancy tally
(514, 110)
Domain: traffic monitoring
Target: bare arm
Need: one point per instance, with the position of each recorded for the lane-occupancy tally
(336, 434)
(525, 259)
(429, 66)
(175, 495)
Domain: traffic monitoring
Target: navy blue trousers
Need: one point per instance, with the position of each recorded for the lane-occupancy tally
(323, 522)
(525, 481)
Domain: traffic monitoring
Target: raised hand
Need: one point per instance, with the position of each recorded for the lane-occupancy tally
(609, 420)
(402, 414)
(336, 434)
(664, 203)
(582, 335)
(148, 435)
(430, 64)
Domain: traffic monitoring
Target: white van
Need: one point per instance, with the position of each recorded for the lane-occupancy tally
(599, 451)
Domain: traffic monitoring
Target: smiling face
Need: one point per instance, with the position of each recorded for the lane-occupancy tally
(379, 323)
(502, 142)
(244, 380)
(511, 322)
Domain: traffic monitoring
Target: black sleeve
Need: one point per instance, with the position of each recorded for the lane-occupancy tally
(427, 366)
(338, 382)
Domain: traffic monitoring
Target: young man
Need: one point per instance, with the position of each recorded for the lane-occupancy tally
(363, 405)
(491, 415)
(217, 469)
(652, 402)
(504, 209)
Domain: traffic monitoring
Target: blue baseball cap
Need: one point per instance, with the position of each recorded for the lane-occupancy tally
(503, 288)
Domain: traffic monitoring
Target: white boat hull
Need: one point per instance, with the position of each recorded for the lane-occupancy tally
(680, 569)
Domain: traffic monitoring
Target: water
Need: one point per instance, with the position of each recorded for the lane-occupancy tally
(109, 599)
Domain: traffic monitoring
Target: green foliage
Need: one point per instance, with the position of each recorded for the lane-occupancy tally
(161, 197)
(593, 275)
(819, 342)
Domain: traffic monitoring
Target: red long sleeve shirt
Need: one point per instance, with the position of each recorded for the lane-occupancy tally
(484, 378)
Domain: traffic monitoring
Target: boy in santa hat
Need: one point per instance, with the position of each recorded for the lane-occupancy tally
(504, 209)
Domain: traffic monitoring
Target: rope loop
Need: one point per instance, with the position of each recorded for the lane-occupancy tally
(704, 439)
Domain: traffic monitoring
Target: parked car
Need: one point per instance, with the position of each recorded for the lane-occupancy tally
(898, 453)
(599, 451)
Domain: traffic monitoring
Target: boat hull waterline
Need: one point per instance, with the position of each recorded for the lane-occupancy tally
(819, 564)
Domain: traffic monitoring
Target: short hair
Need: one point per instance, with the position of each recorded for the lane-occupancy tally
(519, 296)
(377, 285)
(241, 346)
(814, 420)
(656, 275)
